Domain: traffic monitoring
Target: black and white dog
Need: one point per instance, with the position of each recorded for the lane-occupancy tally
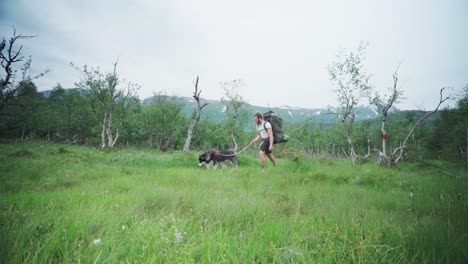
(213, 158)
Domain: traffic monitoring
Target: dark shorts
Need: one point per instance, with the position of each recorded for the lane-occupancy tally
(265, 146)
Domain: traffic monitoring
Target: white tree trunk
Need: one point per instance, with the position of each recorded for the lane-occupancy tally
(190, 132)
(384, 140)
(103, 133)
(193, 126)
(116, 137)
(235, 142)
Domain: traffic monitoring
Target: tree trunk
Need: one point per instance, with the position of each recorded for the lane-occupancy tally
(22, 133)
(109, 128)
(190, 131)
(466, 152)
(193, 126)
(103, 133)
(235, 142)
(384, 140)
(352, 152)
(116, 137)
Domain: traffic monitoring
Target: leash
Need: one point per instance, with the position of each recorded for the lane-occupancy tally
(230, 155)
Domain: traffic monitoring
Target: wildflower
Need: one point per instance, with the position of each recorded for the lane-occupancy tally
(178, 236)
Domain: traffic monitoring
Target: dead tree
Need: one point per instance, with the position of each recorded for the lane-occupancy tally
(193, 125)
(9, 56)
(383, 107)
(398, 152)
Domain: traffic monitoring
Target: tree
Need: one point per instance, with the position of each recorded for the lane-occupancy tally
(9, 57)
(383, 105)
(110, 98)
(193, 125)
(450, 134)
(397, 154)
(235, 109)
(25, 108)
(462, 113)
(162, 119)
(351, 83)
(52, 121)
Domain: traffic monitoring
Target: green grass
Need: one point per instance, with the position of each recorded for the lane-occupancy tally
(152, 207)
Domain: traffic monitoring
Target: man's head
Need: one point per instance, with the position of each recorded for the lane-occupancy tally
(258, 118)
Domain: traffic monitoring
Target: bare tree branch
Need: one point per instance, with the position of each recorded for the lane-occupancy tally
(8, 58)
(403, 145)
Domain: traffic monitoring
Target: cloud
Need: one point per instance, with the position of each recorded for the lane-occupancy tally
(279, 49)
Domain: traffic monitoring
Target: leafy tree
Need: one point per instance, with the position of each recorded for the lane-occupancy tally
(351, 83)
(52, 115)
(451, 131)
(25, 108)
(109, 97)
(163, 121)
(236, 111)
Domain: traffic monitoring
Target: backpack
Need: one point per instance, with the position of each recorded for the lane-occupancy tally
(276, 126)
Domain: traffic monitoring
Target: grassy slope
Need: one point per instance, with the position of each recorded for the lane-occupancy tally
(146, 206)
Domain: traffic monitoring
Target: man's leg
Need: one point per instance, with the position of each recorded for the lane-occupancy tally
(262, 158)
(270, 156)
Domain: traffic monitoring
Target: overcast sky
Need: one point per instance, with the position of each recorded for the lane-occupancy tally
(280, 49)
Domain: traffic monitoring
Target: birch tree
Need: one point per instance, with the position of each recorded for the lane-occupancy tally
(235, 109)
(110, 98)
(351, 84)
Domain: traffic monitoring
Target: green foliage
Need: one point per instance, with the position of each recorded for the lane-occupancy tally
(64, 203)
(236, 114)
(164, 122)
(22, 111)
(293, 154)
(110, 97)
(451, 131)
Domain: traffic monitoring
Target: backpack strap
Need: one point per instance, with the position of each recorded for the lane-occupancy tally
(264, 126)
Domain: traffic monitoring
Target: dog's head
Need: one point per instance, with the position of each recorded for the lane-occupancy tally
(205, 158)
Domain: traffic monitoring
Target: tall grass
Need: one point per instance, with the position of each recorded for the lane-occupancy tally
(77, 204)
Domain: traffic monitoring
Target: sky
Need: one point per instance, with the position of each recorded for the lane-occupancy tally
(279, 49)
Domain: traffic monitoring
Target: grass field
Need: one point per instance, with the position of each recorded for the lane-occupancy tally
(76, 204)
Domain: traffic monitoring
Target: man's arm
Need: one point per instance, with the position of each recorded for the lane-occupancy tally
(255, 139)
(270, 133)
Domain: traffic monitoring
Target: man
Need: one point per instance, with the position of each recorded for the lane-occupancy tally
(265, 132)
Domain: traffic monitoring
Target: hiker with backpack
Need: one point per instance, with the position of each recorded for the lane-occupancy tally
(265, 132)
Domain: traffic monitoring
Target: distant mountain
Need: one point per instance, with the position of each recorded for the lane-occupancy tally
(290, 114)
(215, 111)
(47, 93)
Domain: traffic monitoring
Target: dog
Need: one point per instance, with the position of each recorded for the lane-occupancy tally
(212, 158)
